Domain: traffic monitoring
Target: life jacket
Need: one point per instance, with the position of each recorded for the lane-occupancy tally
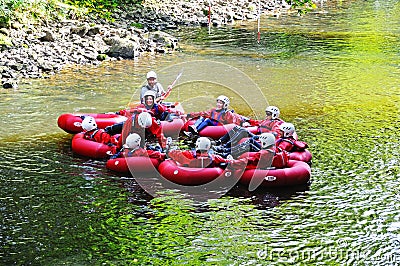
(90, 134)
(266, 158)
(261, 160)
(281, 159)
(201, 161)
(286, 144)
(217, 115)
(267, 126)
(98, 136)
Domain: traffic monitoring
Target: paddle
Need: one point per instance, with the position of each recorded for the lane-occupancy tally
(168, 92)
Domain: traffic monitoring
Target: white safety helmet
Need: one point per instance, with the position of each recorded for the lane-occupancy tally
(89, 123)
(133, 141)
(274, 111)
(149, 93)
(151, 74)
(203, 144)
(145, 120)
(287, 129)
(224, 99)
(267, 140)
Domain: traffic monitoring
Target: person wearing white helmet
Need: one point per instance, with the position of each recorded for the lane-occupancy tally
(268, 156)
(259, 155)
(132, 148)
(203, 157)
(152, 85)
(159, 111)
(288, 142)
(269, 124)
(220, 115)
(140, 122)
(91, 132)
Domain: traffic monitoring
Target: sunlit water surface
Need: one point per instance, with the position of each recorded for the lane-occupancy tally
(334, 73)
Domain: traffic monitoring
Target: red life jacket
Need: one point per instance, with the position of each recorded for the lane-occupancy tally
(217, 115)
(270, 126)
(285, 144)
(99, 135)
(281, 159)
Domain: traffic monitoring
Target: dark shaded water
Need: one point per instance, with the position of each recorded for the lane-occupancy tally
(335, 74)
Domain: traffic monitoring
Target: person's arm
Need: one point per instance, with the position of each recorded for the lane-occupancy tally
(198, 114)
(156, 155)
(160, 92)
(235, 164)
(156, 130)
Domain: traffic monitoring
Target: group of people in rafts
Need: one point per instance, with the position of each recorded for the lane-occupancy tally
(239, 148)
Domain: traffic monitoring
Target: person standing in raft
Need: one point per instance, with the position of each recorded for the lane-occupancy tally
(287, 142)
(270, 124)
(153, 85)
(132, 148)
(215, 116)
(139, 122)
(91, 132)
(268, 156)
(201, 157)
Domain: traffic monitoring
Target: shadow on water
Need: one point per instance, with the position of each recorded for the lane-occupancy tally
(264, 198)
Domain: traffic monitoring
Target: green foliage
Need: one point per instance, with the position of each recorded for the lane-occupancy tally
(302, 6)
(137, 25)
(4, 40)
(25, 11)
(40, 10)
(103, 8)
(7, 10)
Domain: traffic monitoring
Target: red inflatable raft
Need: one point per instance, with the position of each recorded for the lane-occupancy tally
(297, 173)
(71, 123)
(215, 132)
(89, 148)
(304, 156)
(133, 165)
(188, 176)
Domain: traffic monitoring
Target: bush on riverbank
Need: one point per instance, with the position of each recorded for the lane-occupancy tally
(24, 11)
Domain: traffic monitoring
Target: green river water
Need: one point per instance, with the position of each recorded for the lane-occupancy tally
(334, 73)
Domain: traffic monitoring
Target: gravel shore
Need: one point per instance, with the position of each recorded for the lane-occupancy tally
(38, 51)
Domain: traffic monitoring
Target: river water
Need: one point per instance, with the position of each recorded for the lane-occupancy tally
(334, 73)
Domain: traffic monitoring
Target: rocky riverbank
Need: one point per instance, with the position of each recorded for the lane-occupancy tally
(38, 51)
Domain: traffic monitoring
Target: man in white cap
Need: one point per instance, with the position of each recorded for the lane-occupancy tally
(152, 85)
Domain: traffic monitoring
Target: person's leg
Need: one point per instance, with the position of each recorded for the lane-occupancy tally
(194, 128)
(254, 145)
(114, 129)
(239, 133)
(240, 148)
(207, 122)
